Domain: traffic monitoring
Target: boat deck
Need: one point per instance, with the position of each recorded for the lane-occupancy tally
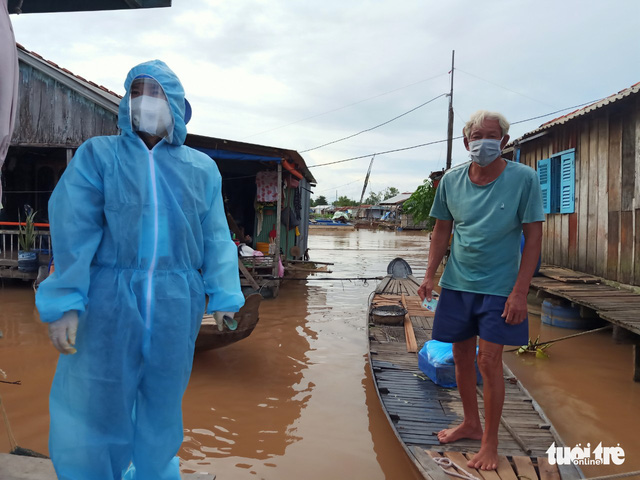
(418, 408)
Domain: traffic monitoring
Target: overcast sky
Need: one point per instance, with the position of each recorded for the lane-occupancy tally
(299, 74)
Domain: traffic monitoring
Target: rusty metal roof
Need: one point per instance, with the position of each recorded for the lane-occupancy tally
(94, 92)
(634, 89)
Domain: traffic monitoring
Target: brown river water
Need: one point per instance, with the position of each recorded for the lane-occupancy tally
(295, 400)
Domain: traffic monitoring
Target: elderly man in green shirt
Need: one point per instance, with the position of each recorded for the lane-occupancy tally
(491, 201)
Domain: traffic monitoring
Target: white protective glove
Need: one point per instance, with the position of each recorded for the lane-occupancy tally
(62, 332)
(223, 318)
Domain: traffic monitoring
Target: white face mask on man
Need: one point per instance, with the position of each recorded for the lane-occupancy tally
(151, 115)
(484, 151)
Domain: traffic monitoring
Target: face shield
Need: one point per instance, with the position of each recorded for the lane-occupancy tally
(150, 111)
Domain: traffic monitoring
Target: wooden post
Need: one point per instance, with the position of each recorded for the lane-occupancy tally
(450, 119)
(69, 155)
(276, 256)
(636, 363)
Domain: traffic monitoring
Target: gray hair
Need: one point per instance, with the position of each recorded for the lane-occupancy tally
(480, 116)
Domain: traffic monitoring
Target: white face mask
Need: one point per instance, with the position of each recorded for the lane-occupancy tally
(484, 151)
(151, 115)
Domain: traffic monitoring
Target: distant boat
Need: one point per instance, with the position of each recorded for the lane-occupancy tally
(330, 224)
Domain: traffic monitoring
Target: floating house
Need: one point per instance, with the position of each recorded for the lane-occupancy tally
(266, 189)
(588, 163)
(395, 215)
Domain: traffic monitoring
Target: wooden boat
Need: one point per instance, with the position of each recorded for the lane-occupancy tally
(299, 270)
(325, 224)
(417, 408)
(210, 337)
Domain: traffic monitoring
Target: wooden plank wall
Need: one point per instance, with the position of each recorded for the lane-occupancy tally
(602, 236)
(51, 114)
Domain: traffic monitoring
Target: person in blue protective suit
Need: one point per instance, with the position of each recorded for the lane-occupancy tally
(140, 239)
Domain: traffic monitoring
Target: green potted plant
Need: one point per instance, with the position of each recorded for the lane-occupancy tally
(27, 256)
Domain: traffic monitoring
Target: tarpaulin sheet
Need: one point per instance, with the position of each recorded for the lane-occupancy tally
(8, 84)
(228, 155)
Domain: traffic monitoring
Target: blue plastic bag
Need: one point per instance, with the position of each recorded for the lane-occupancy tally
(435, 360)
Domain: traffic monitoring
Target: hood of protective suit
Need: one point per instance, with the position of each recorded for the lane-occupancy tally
(172, 89)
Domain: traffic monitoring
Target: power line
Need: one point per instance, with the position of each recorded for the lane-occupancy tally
(557, 111)
(346, 106)
(340, 186)
(505, 88)
(444, 140)
(382, 153)
(373, 128)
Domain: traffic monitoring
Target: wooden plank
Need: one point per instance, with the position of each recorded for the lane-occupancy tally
(485, 474)
(628, 172)
(412, 345)
(547, 471)
(602, 199)
(461, 461)
(592, 212)
(573, 240)
(504, 470)
(636, 247)
(428, 464)
(247, 275)
(613, 240)
(582, 188)
(626, 247)
(524, 467)
(615, 163)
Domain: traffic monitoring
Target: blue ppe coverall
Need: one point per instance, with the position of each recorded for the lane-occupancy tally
(139, 238)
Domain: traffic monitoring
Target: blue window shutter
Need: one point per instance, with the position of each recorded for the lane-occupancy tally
(567, 182)
(544, 176)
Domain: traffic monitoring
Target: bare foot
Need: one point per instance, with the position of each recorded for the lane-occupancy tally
(463, 430)
(485, 459)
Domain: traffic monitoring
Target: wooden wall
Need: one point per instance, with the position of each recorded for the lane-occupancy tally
(602, 236)
(52, 114)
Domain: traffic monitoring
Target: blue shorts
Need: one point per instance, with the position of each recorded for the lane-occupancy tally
(462, 315)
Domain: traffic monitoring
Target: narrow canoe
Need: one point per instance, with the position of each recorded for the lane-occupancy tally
(417, 408)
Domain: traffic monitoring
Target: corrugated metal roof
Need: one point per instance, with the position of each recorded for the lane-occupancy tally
(47, 6)
(634, 89)
(403, 197)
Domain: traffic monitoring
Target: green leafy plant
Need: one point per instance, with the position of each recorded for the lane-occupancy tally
(419, 204)
(27, 232)
(534, 346)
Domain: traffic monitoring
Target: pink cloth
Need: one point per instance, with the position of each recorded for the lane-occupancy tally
(267, 186)
(8, 85)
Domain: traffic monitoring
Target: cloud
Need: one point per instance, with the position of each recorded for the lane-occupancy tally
(300, 74)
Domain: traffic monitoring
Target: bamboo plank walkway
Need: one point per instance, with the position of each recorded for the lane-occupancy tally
(418, 409)
(615, 305)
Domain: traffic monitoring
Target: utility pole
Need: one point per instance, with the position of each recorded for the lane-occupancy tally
(364, 188)
(450, 127)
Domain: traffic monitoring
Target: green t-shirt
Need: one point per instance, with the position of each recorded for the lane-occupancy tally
(485, 251)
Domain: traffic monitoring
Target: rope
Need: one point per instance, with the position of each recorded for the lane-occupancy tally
(12, 439)
(617, 475)
(549, 342)
(445, 463)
